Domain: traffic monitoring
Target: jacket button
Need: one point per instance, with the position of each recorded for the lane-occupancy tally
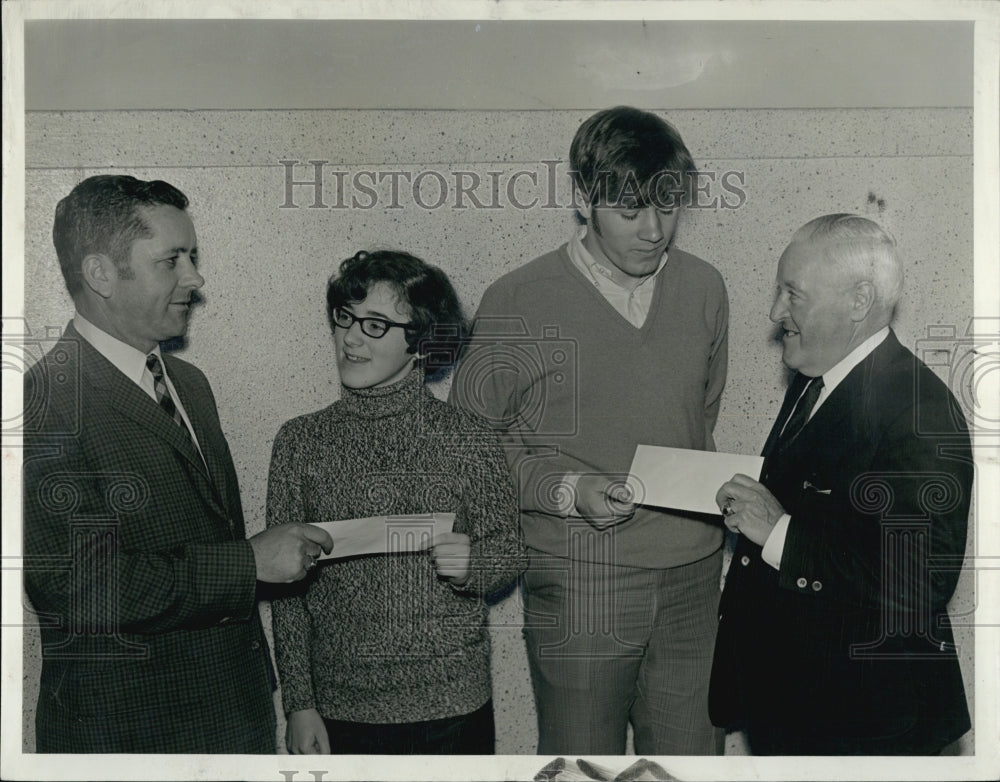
(802, 583)
(255, 645)
(817, 585)
(744, 560)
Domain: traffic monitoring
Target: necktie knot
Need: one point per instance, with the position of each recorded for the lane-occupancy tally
(163, 398)
(155, 367)
(813, 390)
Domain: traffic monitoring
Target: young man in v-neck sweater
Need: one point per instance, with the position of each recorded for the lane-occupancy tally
(615, 339)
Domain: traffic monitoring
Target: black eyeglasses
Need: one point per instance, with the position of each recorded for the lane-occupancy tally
(376, 328)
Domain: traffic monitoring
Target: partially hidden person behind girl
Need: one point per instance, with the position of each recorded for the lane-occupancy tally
(390, 653)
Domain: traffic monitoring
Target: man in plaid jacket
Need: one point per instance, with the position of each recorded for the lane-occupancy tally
(137, 561)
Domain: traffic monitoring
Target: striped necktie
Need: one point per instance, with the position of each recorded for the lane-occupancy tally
(163, 397)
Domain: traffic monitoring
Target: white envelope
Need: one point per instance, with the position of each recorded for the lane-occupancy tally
(684, 479)
(385, 534)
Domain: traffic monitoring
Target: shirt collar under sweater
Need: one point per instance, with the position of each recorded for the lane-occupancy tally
(384, 401)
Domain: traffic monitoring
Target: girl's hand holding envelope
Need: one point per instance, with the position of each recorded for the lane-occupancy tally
(450, 557)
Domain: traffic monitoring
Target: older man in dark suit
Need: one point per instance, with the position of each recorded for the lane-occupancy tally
(834, 635)
(138, 565)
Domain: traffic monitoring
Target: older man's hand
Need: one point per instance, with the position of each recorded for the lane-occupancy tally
(748, 508)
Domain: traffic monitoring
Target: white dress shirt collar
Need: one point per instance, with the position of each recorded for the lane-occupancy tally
(833, 376)
(598, 271)
(131, 362)
(634, 303)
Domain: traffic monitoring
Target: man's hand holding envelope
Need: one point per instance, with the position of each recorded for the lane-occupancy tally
(689, 480)
(748, 508)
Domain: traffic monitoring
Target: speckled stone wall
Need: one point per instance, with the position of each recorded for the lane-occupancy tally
(268, 249)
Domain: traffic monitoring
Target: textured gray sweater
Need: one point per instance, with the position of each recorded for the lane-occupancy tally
(380, 638)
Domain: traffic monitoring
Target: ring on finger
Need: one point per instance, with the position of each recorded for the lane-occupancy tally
(727, 507)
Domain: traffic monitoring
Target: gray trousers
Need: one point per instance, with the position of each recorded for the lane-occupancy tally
(610, 645)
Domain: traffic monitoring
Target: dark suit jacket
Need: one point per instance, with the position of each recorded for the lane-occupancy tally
(848, 649)
(137, 567)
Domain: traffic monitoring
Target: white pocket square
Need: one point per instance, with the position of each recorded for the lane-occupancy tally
(808, 486)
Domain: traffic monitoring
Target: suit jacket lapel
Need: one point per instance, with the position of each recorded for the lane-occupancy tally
(126, 398)
(794, 391)
(849, 401)
(213, 460)
(844, 406)
(823, 430)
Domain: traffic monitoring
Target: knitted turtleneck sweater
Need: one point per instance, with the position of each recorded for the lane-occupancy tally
(380, 638)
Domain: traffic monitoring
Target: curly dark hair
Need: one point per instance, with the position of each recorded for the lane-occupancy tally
(439, 327)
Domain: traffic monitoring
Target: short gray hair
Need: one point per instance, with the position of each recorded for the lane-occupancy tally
(864, 249)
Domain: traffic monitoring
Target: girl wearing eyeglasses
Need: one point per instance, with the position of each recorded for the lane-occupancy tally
(389, 653)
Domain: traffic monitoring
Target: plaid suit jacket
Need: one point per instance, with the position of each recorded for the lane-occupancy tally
(138, 567)
(848, 648)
